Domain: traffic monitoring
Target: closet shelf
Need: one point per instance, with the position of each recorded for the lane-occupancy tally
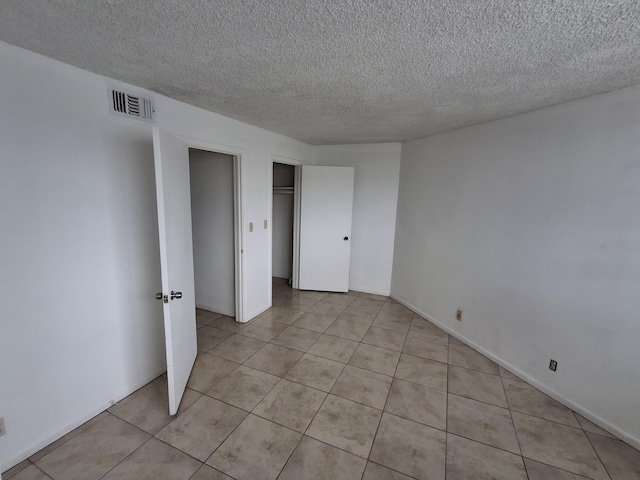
(282, 189)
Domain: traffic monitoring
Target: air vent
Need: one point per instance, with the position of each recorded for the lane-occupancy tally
(124, 103)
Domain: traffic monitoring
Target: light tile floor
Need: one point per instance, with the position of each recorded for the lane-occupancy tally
(336, 386)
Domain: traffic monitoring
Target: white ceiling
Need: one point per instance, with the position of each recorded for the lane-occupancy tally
(346, 71)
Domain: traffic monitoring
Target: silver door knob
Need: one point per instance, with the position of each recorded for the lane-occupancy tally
(176, 295)
(159, 296)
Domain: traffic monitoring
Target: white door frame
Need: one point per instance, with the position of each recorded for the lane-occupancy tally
(296, 219)
(238, 215)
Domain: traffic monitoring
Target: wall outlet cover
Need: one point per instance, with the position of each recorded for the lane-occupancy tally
(553, 365)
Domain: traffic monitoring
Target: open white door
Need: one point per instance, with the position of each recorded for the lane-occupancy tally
(176, 261)
(326, 206)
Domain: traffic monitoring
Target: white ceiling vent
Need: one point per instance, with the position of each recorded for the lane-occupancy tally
(123, 103)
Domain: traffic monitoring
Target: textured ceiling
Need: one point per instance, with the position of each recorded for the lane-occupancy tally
(346, 71)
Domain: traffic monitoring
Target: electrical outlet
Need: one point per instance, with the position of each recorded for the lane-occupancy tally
(250, 226)
(2, 429)
(459, 315)
(265, 224)
(553, 365)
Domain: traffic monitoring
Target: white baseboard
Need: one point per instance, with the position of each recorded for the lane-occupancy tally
(372, 292)
(614, 430)
(85, 417)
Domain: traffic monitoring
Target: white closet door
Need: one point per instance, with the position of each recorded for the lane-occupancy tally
(176, 261)
(325, 228)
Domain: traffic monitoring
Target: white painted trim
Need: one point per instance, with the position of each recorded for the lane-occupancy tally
(626, 437)
(238, 215)
(82, 419)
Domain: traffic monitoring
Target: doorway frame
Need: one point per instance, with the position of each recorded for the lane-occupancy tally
(238, 215)
(297, 164)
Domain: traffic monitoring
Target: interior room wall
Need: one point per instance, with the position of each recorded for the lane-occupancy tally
(282, 223)
(80, 327)
(213, 232)
(530, 224)
(377, 170)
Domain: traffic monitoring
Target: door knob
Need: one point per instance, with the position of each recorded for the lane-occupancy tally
(159, 296)
(346, 238)
(176, 295)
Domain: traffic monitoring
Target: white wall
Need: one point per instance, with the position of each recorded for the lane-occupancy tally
(213, 240)
(531, 224)
(282, 222)
(79, 261)
(377, 169)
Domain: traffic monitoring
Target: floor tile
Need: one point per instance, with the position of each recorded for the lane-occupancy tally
(392, 321)
(316, 460)
(540, 471)
(148, 409)
(92, 453)
(523, 398)
(621, 461)
(274, 359)
(396, 309)
(481, 422)
(296, 338)
(418, 403)
(589, 426)
(312, 295)
(327, 309)
(209, 337)
(469, 460)
(467, 357)
(355, 315)
(363, 386)
(298, 303)
(155, 461)
(376, 359)
(557, 445)
(504, 373)
(385, 338)
(410, 448)
(202, 427)
(423, 371)
(373, 471)
(205, 317)
(224, 322)
(209, 370)
(477, 385)
(52, 446)
(238, 348)
(17, 469)
(282, 315)
(31, 472)
(367, 304)
(314, 321)
(257, 449)
(373, 296)
(333, 348)
(345, 424)
(244, 387)
(426, 346)
(420, 326)
(263, 329)
(347, 329)
(316, 372)
(205, 472)
(340, 298)
(290, 404)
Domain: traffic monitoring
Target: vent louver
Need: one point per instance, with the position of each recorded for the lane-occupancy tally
(131, 105)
